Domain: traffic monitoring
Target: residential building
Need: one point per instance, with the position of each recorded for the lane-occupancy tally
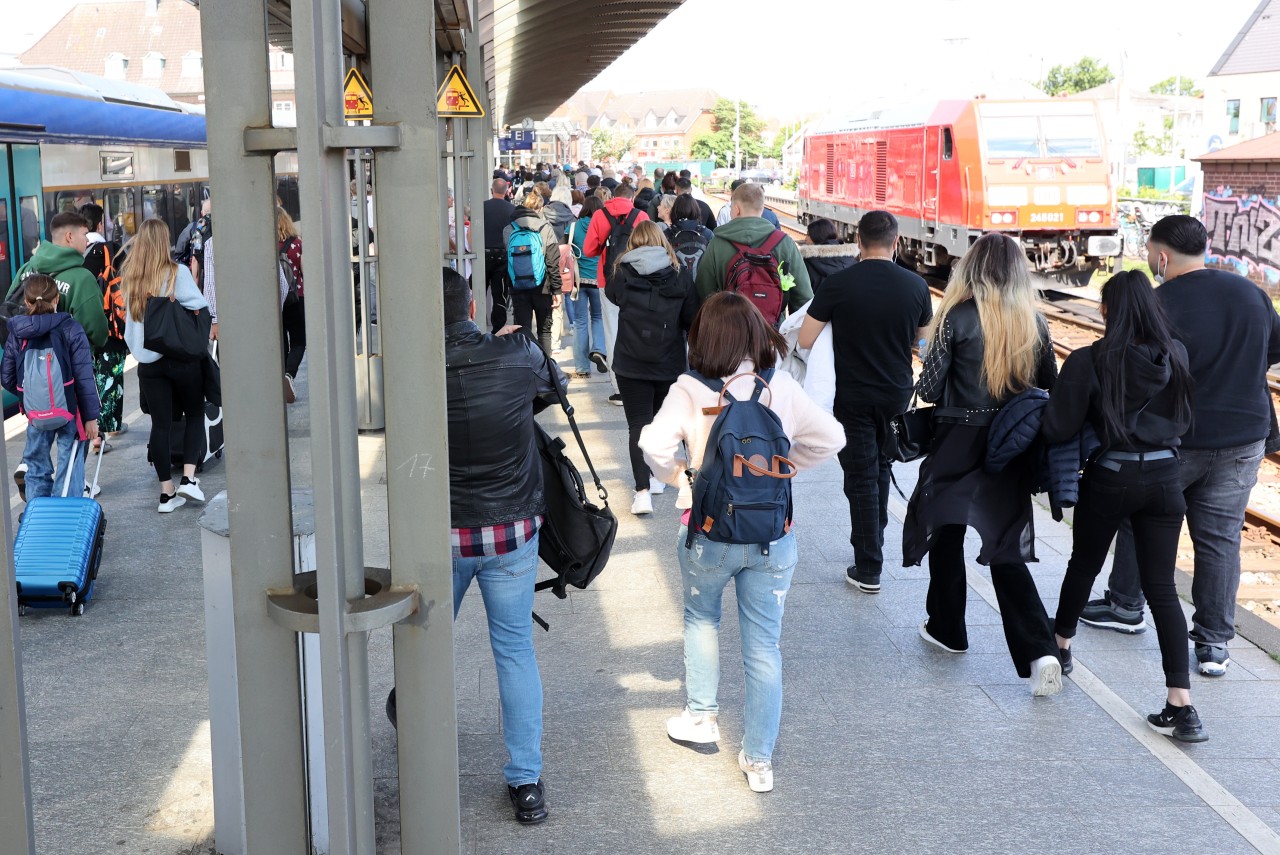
(1241, 91)
(664, 123)
(152, 42)
(1172, 127)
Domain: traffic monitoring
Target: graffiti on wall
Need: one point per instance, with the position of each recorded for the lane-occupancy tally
(1244, 233)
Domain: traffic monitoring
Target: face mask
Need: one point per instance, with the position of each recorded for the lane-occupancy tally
(1162, 266)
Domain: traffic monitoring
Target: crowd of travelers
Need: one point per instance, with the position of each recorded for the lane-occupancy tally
(1162, 419)
(695, 317)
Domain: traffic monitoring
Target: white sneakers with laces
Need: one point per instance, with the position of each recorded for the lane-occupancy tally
(190, 489)
(700, 728)
(642, 503)
(759, 773)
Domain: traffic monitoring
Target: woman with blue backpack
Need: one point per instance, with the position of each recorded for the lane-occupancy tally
(48, 365)
(533, 264)
(738, 525)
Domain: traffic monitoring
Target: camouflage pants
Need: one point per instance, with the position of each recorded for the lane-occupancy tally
(108, 374)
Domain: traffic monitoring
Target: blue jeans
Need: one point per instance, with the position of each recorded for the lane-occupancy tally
(586, 307)
(1216, 483)
(41, 478)
(506, 584)
(761, 583)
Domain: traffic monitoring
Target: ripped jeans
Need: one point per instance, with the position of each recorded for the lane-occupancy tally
(761, 583)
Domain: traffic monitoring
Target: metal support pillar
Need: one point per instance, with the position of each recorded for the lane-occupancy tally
(402, 40)
(269, 742)
(480, 166)
(15, 783)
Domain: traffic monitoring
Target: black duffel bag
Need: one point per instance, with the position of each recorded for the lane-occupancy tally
(173, 330)
(576, 535)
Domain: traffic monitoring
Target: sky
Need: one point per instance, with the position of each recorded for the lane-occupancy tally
(825, 55)
(830, 54)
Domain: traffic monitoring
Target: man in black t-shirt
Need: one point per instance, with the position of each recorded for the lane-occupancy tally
(497, 216)
(877, 310)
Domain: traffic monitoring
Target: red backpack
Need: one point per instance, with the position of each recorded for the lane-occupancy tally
(753, 273)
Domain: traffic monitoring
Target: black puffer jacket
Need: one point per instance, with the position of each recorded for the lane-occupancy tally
(495, 384)
(822, 260)
(656, 303)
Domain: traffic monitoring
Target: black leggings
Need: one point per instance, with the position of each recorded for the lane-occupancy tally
(295, 336)
(172, 389)
(641, 399)
(528, 303)
(1026, 623)
(1150, 495)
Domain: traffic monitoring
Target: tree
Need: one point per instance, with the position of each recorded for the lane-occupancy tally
(607, 143)
(719, 143)
(1070, 79)
(1176, 85)
(1145, 143)
(716, 146)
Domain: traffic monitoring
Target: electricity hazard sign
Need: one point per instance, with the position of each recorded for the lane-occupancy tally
(357, 98)
(455, 97)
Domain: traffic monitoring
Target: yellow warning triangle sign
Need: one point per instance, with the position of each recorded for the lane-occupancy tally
(357, 97)
(455, 97)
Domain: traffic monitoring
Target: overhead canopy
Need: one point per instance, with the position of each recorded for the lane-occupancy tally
(537, 53)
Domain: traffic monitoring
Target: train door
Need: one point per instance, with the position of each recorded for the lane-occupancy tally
(27, 193)
(932, 179)
(8, 257)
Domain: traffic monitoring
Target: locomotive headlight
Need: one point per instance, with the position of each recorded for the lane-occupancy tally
(1095, 216)
(1082, 216)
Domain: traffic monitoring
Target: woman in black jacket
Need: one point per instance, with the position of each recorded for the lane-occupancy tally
(656, 303)
(987, 344)
(1133, 386)
(825, 253)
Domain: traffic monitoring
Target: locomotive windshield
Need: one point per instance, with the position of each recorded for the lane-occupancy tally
(1060, 130)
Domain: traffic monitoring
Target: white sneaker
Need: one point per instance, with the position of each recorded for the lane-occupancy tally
(759, 773)
(1046, 676)
(191, 489)
(656, 487)
(90, 491)
(701, 728)
(642, 503)
(169, 504)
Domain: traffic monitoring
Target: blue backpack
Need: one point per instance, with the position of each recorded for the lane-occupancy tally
(526, 259)
(742, 493)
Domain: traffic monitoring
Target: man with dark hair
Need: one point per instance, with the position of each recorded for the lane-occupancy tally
(684, 187)
(495, 384)
(877, 311)
(62, 257)
(1232, 333)
(497, 216)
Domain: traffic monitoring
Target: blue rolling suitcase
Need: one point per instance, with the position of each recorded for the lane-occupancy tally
(58, 549)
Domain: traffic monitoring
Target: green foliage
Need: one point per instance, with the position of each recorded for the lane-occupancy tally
(609, 143)
(1176, 85)
(1145, 143)
(1070, 79)
(718, 145)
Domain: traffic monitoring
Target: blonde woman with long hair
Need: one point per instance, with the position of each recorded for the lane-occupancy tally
(986, 344)
(656, 303)
(171, 387)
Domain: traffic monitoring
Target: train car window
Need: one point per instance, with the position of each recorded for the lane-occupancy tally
(948, 145)
(1072, 136)
(119, 220)
(116, 165)
(29, 225)
(1012, 136)
(165, 202)
(181, 160)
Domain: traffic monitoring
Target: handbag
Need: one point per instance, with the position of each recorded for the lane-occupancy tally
(577, 535)
(172, 330)
(910, 433)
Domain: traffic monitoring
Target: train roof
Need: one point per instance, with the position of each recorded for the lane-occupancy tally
(918, 114)
(46, 105)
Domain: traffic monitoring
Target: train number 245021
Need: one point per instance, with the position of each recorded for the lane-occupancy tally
(1048, 217)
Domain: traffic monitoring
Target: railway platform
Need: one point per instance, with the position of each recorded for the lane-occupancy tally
(887, 745)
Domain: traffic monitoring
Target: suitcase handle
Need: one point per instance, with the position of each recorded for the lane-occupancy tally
(75, 449)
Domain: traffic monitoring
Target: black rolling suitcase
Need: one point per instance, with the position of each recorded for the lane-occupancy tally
(211, 448)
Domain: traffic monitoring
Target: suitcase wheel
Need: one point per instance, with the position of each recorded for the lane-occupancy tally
(77, 609)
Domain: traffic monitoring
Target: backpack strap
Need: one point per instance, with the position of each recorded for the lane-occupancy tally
(632, 216)
(771, 242)
(614, 222)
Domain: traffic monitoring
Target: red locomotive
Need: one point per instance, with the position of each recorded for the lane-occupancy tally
(952, 171)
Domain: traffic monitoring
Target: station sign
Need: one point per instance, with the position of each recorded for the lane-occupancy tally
(456, 98)
(357, 97)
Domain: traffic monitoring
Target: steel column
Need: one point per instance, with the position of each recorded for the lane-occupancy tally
(238, 88)
(15, 783)
(402, 40)
(340, 575)
(479, 141)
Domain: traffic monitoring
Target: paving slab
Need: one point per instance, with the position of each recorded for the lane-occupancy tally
(887, 745)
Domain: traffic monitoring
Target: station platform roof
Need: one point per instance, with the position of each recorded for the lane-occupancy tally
(537, 53)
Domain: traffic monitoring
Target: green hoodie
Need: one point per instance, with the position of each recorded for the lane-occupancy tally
(80, 295)
(752, 231)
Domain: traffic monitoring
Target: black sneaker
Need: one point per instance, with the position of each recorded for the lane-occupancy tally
(1106, 615)
(1182, 723)
(598, 359)
(391, 708)
(615, 399)
(1212, 659)
(1064, 653)
(529, 802)
(864, 582)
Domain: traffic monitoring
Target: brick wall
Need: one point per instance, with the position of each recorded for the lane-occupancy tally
(1242, 215)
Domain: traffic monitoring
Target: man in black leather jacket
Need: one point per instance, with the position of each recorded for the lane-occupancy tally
(495, 384)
